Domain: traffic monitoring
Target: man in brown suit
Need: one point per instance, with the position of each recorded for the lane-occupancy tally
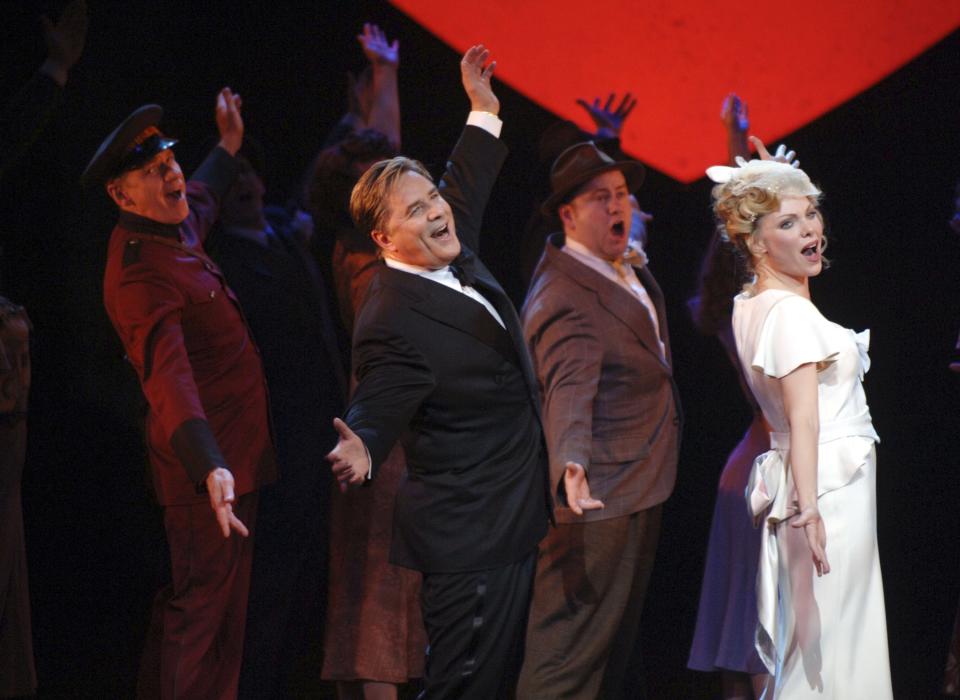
(595, 325)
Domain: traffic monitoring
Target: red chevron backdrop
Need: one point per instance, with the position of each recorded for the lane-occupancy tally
(790, 62)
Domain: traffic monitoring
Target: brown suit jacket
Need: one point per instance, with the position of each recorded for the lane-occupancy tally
(609, 398)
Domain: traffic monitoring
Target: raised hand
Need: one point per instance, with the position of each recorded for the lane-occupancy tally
(812, 524)
(734, 114)
(229, 121)
(65, 39)
(349, 459)
(476, 74)
(578, 490)
(782, 155)
(609, 121)
(220, 488)
(376, 47)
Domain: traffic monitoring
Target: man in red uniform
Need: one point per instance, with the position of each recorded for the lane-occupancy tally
(208, 427)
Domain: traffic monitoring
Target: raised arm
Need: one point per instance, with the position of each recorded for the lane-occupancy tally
(608, 119)
(65, 41)
(383, 104)
(736, 123)
(781, 155)
(476, 159)
(24, 117)
(229, 121)
(219, 168)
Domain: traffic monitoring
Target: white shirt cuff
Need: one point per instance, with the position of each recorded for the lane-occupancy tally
(487, 121)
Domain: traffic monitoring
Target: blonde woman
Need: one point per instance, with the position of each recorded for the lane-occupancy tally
(822, 628)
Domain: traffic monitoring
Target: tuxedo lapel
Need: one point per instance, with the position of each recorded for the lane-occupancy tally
(493, 292)
(458, 311)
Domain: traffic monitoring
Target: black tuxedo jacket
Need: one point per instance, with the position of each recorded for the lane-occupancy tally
(437, 372)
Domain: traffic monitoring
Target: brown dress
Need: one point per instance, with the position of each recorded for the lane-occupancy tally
(17, 673)
(374, 630)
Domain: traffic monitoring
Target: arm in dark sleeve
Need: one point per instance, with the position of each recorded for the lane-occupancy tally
(148, 312)
(25, 116)
(206, 188)
(469, 178)
(568, 361)
(393, 380)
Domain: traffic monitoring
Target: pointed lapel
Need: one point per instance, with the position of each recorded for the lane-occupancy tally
(455, 310)
(656, 296)
(621, 303)
(491, 289)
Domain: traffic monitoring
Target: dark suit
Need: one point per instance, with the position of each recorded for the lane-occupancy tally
(610, 404)
(283, 299)
(437, 372)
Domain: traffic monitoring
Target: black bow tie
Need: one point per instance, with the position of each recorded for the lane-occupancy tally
(463, 273)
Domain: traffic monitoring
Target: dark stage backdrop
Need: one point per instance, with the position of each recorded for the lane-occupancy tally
(887, 160)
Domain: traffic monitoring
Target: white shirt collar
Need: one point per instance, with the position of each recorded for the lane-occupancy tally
(583, 250)
(440, 274)
(579, 250)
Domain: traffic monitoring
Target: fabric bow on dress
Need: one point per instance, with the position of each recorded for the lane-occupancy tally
(771, 497)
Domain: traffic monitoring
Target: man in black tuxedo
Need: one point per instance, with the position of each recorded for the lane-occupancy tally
(442, 366)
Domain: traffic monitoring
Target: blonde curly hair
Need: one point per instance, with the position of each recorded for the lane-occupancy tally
(746, 193)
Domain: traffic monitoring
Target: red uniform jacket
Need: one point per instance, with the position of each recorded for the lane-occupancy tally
(186, 337)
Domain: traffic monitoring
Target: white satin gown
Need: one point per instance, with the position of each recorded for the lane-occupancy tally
(820, 637)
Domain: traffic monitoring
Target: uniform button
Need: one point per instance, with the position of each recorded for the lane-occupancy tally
(213, 293)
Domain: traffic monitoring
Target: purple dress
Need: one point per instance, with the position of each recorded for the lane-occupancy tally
(727, 617)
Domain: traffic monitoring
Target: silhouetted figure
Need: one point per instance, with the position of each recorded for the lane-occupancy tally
(374, 632)
(273, 274)
(22, 121)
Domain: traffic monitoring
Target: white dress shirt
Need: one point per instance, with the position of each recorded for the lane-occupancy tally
(628, 280)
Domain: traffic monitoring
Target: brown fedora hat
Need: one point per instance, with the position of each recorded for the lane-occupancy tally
(579, 164)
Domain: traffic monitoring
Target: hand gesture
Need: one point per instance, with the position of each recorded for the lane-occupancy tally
(376, 48)
(734, 115)
(220, 489)
(476, 79)
(782, 155)
(609, 122)
(812, 524)
(578, 490)
(229, 121)
(349, 458)
(65, 39)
